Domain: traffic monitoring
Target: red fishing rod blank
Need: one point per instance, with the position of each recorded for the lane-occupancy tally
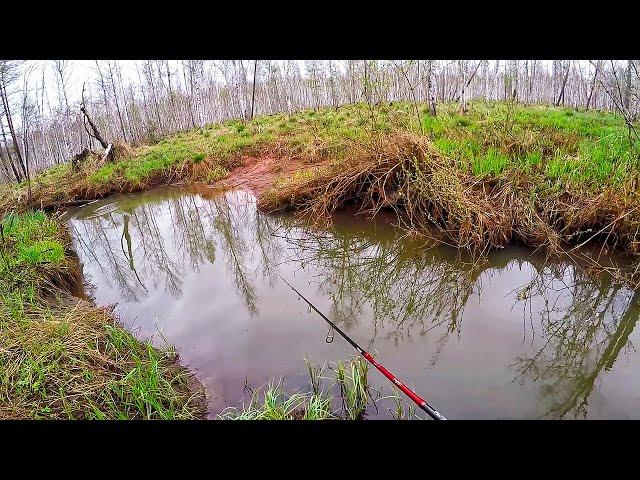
(417, 399)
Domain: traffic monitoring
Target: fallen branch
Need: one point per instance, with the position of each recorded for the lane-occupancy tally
(109, 153)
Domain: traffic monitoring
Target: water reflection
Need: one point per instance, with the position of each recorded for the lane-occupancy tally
(166, 239)
(585, 324)
(514, 337)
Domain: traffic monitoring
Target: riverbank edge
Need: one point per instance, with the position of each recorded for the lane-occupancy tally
(535, 185)
(240, 178)
(195, 388)
(182, 395)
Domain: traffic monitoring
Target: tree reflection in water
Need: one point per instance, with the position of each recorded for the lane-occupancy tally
(585, 324)
(576, 325)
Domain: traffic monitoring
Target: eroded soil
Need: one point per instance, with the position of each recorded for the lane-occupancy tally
(257, 174)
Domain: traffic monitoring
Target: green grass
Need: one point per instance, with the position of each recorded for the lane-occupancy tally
(216, 173)
(298, 176)
(105, 174)
(354, 388)
(223, 142)
(276, 405)
(562, 147)
(61, 357)
(54, 174)
(493, 162)
(272, 403)
(589, 149)
(30, 245)
(346, 397)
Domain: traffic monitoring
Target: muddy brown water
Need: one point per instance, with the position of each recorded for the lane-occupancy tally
(514, 338)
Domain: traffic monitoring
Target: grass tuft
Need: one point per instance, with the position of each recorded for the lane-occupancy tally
(271, 403)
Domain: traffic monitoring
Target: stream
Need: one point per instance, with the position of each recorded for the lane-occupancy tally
(515, 337)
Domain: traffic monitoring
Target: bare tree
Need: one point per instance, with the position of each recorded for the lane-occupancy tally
(404, 68)
(28, 112)
(112, 84)
(598, 67)
(462, 65)
(431, 80)
(8, 74)
(253, 89)
(564, 83)
(95, 132)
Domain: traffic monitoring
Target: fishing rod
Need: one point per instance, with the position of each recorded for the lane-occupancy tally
(417, 399)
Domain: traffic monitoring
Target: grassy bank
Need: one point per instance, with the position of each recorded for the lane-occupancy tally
(502, 173)
(62, 357)
(540, 176)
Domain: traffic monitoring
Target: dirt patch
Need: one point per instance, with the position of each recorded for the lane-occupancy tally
(257, 174)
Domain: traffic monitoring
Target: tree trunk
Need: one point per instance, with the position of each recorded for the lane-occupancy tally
(514, 80)
(463, 91)
(96, 133)
(627, 87)
(431, 76)
(253, 93)
(190, 84)
(564, 84)
(593, 83)
(14, 137)
(154, 95)
(16, 172)
(115, 99)
(4, 162)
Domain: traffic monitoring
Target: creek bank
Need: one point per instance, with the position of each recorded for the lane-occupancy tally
(63, 357)
(481, 182)
(540, 176)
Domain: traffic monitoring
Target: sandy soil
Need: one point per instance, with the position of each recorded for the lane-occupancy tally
(257, 173)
